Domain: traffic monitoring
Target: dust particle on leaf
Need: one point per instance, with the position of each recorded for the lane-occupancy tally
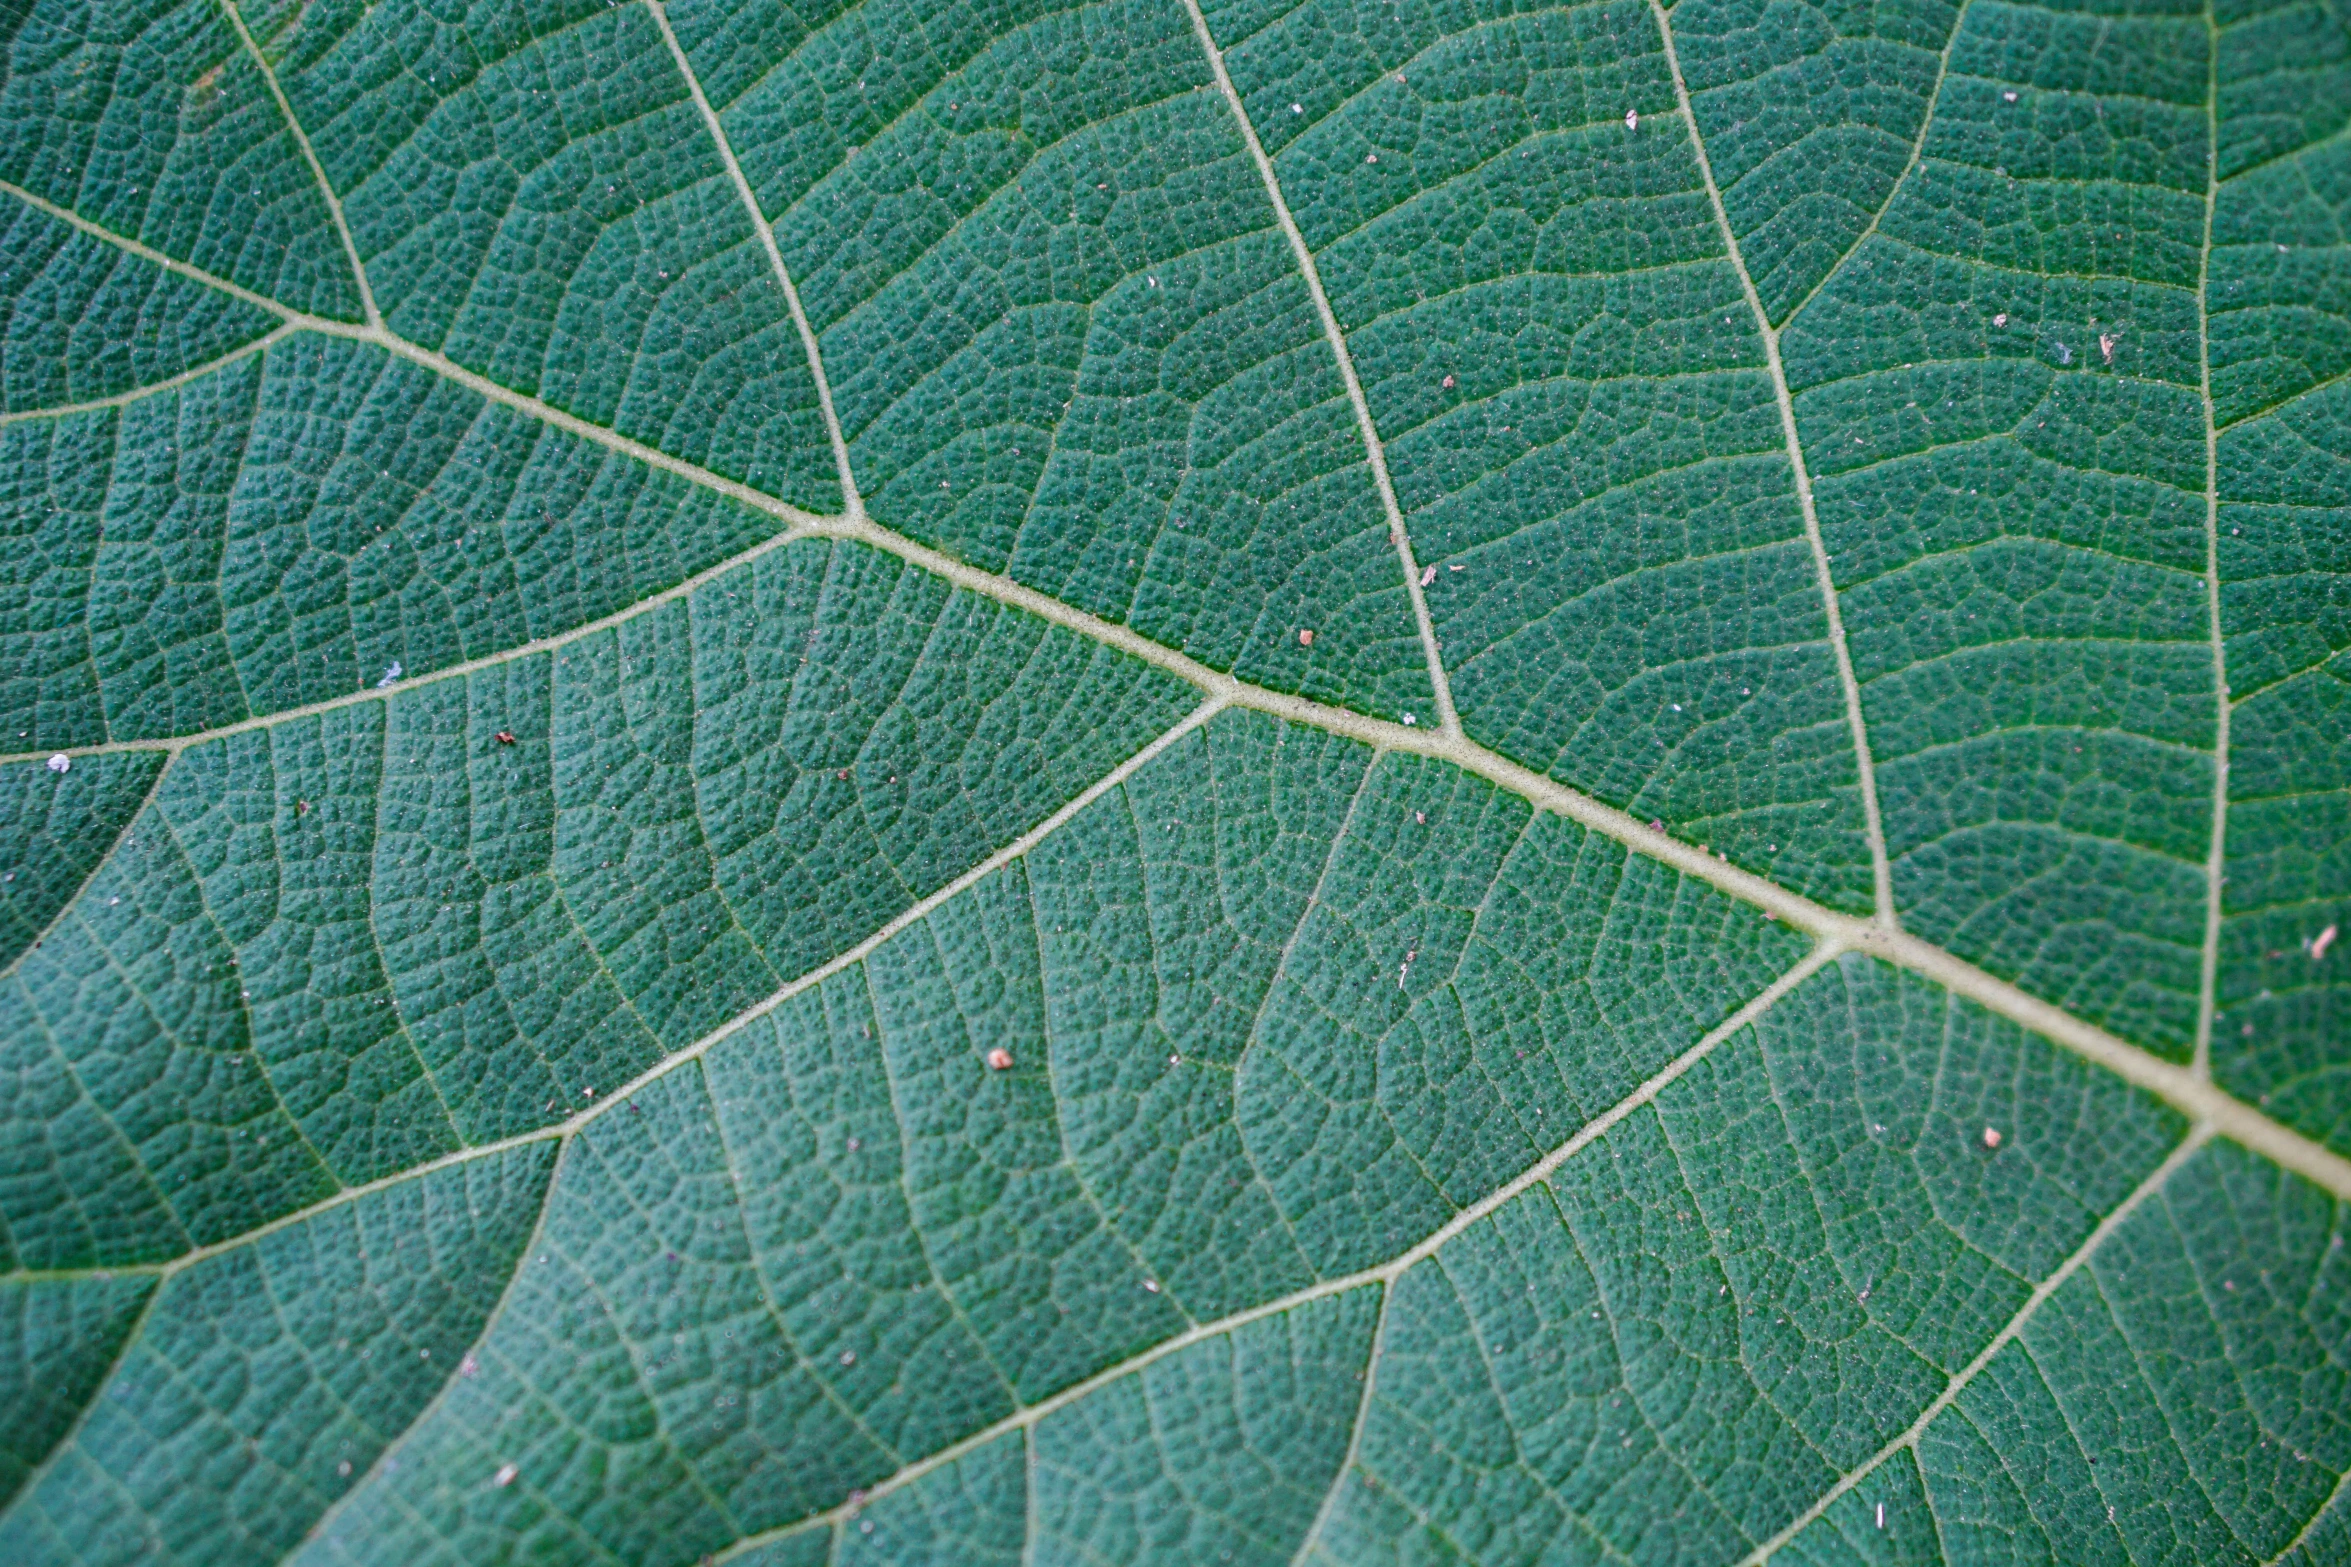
(1000, 1059)
(1991, 1137)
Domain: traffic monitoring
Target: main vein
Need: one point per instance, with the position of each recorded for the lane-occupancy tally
(2181, 1086)
(1881, 874)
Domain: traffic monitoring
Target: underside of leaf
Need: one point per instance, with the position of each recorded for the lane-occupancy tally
(1173, 781)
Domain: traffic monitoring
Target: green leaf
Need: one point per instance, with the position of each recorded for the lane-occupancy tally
(1156, 782)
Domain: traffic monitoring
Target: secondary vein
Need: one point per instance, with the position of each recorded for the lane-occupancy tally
(850, 499)
(2015, 1325)
(2179, 1086)
(1441, 688)
(2215, 859)
(1881, 873)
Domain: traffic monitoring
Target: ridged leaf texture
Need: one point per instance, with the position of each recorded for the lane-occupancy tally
(1068, 782)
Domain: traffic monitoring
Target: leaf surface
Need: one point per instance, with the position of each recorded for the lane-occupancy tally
(1155, 782)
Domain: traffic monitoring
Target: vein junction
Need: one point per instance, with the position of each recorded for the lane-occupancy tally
(697, 1065)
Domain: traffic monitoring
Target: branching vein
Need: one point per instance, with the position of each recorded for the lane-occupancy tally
(1447, 719)
(2177, 1085)
(2049, 1286)
(1880, 871)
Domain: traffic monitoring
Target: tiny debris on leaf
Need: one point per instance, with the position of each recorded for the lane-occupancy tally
(60, 763)
(2001, 319)
(2318, 948)
(1428, 574)
(999, 1060)
(1152, 1285)
(506, 737)
(1991, 1137)
(505, 1476)
(391, 675)
(1306, 639)
(1632, 119)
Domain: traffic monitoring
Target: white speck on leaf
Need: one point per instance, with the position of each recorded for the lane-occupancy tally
(2326, 939)
(61, 763)
(391, 675)
(2106, 346)
(1306, 639)
(999, 1060)
(1991, 1137)
(505, 1476)
(1428, 574)
(1632, 119)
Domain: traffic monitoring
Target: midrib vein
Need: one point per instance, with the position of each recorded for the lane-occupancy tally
(1440, 685)
(2180, 1086)
(1881, 874)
